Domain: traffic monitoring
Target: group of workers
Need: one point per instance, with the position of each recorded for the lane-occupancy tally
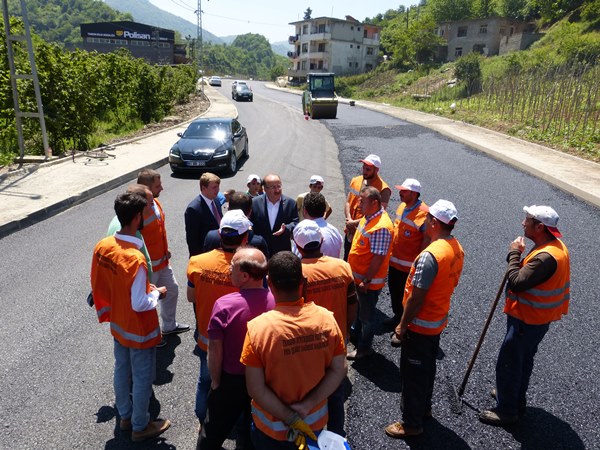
(273, 300)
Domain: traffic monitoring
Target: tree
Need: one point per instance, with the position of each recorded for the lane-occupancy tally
(468, 70)
(484, 8)
(308, 14)
(445, 10)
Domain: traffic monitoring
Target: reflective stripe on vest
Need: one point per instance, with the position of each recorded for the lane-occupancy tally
(150, 219)
(373, 280)
(103, 311)
(354, 191)
(279, 426)
(203, 339)
(134, 337)
(407, 221)
(156, 262)
(428, 324)
(401, 261)
(362, 231)
(539, 305)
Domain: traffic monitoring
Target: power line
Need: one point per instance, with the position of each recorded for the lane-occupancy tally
(245, 20)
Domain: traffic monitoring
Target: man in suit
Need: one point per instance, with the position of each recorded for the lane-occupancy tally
(274, 215)
(203, 213)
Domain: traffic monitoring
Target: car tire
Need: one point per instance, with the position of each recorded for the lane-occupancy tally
(232, 163)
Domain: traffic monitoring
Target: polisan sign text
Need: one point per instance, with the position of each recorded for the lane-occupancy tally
(134, 35)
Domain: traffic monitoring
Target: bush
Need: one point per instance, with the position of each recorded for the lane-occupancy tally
(468, 71)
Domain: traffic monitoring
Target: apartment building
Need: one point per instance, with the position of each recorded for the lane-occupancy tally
(489, 36)
(327, 44)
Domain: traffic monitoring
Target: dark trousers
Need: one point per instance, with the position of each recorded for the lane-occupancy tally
(335, 406)
(418, 366)
(515, 363)
(396, 283)
(347, 245)
(263, 442)
(225, 406)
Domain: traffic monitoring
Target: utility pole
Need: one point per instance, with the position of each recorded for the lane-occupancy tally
(199, 41)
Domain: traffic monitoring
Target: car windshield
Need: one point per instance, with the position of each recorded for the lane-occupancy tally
(243, 88)
(208, 130)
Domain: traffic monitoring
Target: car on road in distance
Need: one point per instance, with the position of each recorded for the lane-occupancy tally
(235, 84)
(242, 92)
(214, 81)
(215, 144)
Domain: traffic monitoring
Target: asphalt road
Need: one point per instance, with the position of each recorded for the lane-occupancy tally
(56, 379)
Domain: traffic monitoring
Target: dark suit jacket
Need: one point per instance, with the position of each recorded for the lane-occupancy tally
(288, 214)
(213, 241)
(199, 220)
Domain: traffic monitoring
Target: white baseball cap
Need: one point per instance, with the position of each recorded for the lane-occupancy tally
(545, 215)
(444, 211)
(410, 184)
(372, 160)
(234, 220)
(252, 177)
(314, 179)
(307, 232)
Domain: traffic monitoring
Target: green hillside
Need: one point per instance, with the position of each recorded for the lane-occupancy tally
(548, 94)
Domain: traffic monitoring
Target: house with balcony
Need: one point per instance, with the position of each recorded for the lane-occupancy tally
(489, 36)
(327, 44)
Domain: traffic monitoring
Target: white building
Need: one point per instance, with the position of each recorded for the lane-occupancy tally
(326, 44)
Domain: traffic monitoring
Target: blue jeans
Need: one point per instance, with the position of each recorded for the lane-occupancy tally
(202, 386)
(363, 328)
(135, 371)
(515, 363)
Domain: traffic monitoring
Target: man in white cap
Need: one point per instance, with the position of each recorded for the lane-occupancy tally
(538, 293)
(370, 177)
(431, 282)
(315, 185)
(254, 184)
(330, 284)
(407, 242)
(209, 278)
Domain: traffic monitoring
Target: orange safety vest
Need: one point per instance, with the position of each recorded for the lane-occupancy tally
(210, 274)
(114, 266)
(408, 237)
(360, 255)
(295, 345)
(433, 316)
(327, 281)
(548, 301)
(356, 184)
(155, 237)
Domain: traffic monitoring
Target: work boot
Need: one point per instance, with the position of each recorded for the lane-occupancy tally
(155, 428)
(400, 431)
(496, 418)
(359, 354)
(522, 403)
(125, 424)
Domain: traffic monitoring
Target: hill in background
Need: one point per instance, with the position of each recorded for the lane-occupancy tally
(145, 12)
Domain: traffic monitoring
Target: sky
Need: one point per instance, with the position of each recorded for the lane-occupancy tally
(269, 17)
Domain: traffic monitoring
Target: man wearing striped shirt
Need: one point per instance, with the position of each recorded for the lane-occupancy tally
(369, 258)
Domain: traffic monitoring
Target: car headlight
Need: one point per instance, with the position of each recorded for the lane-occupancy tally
(175, 152)
(221, 152)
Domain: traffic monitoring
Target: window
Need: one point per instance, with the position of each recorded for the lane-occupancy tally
(369, 50)
(305, 47)
(321, 48)
(352, 28)
(365, 34)
(298, 66)
(303, 65)
(483, 29)
(320, 64)
(462, 31)
(358, 46)
(351, 46)
(358, 28)
(322, 28)
(304, 29)
(350, 65)
(458, 52)
(355, 64)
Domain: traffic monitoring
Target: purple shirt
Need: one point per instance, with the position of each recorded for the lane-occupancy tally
(229, 323)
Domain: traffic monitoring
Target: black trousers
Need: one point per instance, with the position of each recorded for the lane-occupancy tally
(396, 283)
(225, 406)
(418, 366)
